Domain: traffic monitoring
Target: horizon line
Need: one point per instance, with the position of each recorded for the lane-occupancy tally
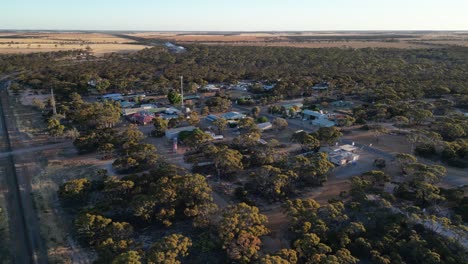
(245, 31)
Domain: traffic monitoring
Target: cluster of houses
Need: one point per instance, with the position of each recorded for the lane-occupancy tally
(144, 115)
(123, 99)
(234, 117)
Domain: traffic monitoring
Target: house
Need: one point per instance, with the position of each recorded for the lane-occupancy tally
(113, 97)
(174, 133)
(320, 86)
(148, 106)
(233, 116)
(191, 97)
(174, 48)
(265, 126)
(211, 118)
(211, 88)
(127, 104)
(129, 111)
(293, 109)
(268, 87)
(172, 111)
(92, 82)
(141, 118)
(342, 155)
(347, 147)
(311, 115)
(318, 118)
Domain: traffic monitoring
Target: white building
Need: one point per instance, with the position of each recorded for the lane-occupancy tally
(342, 155)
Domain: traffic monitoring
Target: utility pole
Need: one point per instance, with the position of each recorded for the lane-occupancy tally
(182, 91)
(52, 102)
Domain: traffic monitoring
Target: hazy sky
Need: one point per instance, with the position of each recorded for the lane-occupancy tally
(238, 15)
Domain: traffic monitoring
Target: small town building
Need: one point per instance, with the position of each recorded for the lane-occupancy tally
(311, 115)
(174, 133)
(211, 88)
(265, 126)
(233, 116)
(141, 118)
(113, 97)
(211, 118)
(129, 111)
(342, 155)
(127, 104)
(268, 87)
(318, 118)
(320, 86)
(174, 48)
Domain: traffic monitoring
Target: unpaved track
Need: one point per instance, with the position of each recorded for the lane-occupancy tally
(27, 244)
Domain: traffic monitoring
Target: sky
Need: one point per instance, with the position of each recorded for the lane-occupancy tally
(235, 15)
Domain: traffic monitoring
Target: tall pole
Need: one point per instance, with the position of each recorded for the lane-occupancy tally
(52, 102)
(182, 91)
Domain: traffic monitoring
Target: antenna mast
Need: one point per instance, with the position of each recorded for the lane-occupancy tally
(182, 91)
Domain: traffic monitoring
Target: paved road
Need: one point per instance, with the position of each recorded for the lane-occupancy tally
(27, 244)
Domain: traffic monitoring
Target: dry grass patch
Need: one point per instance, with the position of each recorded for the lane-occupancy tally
(56, 225)
(48, 42)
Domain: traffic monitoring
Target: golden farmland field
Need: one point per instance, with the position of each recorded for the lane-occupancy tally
(102, 43)
(403, 40)
(99, 43)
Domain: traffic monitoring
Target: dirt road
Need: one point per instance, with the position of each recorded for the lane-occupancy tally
(27, 244)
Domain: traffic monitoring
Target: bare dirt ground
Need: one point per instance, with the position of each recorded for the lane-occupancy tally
(11, 43)
(399, 144)
(387, 142)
